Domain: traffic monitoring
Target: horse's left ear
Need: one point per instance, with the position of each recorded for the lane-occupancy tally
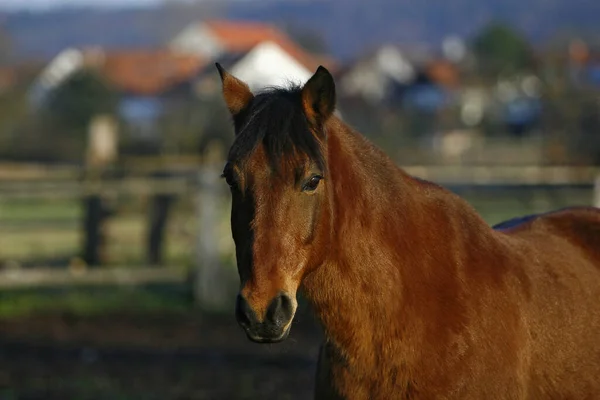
(318, 97)
(236, 93)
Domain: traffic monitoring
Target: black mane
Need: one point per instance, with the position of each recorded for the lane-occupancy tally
(276, 119)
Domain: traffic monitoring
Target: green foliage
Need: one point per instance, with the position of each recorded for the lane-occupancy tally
(13, 110)
(74, 103)
(216, 125)
(59, 130)
(502, 50)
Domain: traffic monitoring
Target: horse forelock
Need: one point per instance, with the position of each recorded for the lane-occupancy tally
(275, 120)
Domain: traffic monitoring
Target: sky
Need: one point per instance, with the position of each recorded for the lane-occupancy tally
(41, 5)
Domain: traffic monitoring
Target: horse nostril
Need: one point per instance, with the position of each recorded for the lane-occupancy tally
(243, 312)
(280, 310)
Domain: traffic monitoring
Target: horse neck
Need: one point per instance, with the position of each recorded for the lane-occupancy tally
(396, 244)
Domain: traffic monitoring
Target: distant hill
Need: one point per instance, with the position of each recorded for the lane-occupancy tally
(347, 26)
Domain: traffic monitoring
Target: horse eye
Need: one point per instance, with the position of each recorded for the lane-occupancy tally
(312, 183)
(228, 178)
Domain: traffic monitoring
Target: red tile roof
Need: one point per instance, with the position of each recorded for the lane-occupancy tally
(241, 36)
(443, 73)
(148, 72)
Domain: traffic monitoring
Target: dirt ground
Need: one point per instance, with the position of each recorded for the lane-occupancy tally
(151, 357)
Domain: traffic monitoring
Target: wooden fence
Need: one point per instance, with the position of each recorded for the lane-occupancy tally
(202, 182)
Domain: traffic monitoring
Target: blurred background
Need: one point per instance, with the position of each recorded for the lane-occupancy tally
(117, 272)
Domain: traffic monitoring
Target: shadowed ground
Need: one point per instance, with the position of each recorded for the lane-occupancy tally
(151, 357)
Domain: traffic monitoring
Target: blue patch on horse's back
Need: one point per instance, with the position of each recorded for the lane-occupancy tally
(511, 223)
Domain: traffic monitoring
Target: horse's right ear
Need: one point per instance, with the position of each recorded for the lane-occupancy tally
(236, 93)
(318, 97)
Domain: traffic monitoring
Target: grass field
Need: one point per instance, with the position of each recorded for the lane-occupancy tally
(90, 301)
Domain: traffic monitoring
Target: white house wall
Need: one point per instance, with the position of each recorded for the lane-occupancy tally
(371, 77)
(392, 62)
(269, 65)
(196, 39)
(66, 63)
(365, 81)
(61, 67)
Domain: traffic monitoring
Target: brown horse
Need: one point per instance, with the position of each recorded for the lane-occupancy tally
(419, 298)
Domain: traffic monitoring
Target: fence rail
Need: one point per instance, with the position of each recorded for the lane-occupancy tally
(506, 175)
(467, 175)
(72, 189)
(54, 277)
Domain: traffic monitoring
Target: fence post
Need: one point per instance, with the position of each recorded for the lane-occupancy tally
(160, 207)
(101, 154)
(211, 285)
(597, 192)
(96, 213)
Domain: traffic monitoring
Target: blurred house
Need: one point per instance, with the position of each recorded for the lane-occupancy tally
(584, 64)
(435, 87)
(150, 83)
(258, 53)
(578, 59)
(400, 76)
(520, 102)
(147, 81)
(378, 75)
(58, 70)
(176, 88)
(265, 65)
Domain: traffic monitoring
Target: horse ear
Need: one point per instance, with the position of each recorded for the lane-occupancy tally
(318, 96)
(236, 93)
